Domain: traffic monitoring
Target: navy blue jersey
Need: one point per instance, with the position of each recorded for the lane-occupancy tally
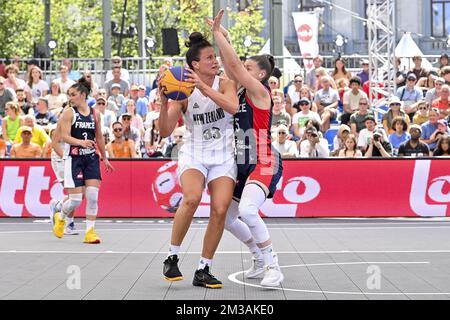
(83, 128)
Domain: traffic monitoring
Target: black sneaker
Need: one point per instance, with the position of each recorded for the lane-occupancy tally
(170, 269)
(202, 278)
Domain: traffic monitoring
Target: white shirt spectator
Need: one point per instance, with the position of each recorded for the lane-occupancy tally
(352, 99)
(288, 146)
(65, 85)
(363, 138)
(320, 150)
(124, 75)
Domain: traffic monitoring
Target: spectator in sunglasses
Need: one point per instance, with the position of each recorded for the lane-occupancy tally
(421, 115)
(174, 147)
(286, 148)
(116, 61)
(395, 110)
(120, 147)
(293, 94)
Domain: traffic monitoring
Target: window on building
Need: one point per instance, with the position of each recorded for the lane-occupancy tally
(440, 21)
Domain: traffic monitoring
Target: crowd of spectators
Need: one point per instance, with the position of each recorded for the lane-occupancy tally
(324, 114)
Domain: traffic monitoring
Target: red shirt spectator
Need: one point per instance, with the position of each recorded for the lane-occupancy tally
(443, 102)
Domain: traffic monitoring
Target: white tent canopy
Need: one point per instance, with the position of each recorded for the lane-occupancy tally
(406, 49)
(290, 66)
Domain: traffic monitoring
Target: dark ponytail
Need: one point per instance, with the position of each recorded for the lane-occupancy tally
(265, 62)
(83, 86)
(196, 43)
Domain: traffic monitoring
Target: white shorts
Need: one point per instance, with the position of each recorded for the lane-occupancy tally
(210, 171)
(58, 168)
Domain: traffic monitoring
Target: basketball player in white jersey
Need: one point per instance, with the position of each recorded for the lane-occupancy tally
(206, 157)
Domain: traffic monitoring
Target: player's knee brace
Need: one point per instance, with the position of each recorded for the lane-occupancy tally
(91, 201)
(250, 215)
(73, 203)
(232, 215)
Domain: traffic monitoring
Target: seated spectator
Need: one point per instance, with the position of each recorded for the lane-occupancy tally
(279, 116)
(136, 121)
(130, 132)
(351, 99)
(87, 74)
(443, 61)
(443, 102)
(73, 74)
(427, 83)
(15, 83)
(174, 147)
(6, 95)
(357, 119)
(400, 133)
(340, 138)
(434, 93)
(26, 108)
(401, 73)
(110, 104)
(64, 81)
(311, 79)
(342, 88)
(26, 148)
(38, 87)
(411, 95)
(116, 97)
(418, 71)
(321, 73)
(153, 113)
(44, 118)
(414, 147)
(123, 85)
(3, 148)
(11, 123)
(124, 74)
(313, 146)
(366, 134)
(340, 71)
(107, 117)
(395, 110)
(430, 129)
(364, 73)
(327, 102)
(421, 115)
(153, 142)
(279, 93)
(161, 70)
(273, 83)
(305, 92)
(141, 94)
(140, 104)
(303, 115)
(39, 136)
(55, 99)
(120, 147)
(378, 146)
(286, 148)
(445, 73)
(443, 147)
(350, 150)
(293, 94)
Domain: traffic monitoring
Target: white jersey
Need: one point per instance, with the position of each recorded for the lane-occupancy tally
(209, 129)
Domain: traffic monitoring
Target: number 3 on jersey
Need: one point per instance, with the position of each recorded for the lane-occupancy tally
(212, 133)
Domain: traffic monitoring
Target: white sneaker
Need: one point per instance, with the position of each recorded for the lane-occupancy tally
(70, 229)
(257, 269)
(272, 276)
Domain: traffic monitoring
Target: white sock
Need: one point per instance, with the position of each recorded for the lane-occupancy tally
(89, 224)
(254, 249)
(267, 253)
(173, 250)
(69, 220)
(203, 263)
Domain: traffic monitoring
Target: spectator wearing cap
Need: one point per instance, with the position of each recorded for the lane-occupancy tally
(279, 116)
(124, 74)
(445, 73)
(400, 133)
(364, 73)
(313, 146)
(443, 102)
(44, 118)
(350, 150)
(107, 117)
(327, 100)
(434, 93)
(357, 119)
(410, 95)
(367, 133)
(141, 104)
(39, 136)
(311, 79)
(378, 146)
(55, 98)
(130, 132)
(26, 148)
(11, 123)
(414, 147)
(394, 111)
(421, 115)
(124, 85)
(110, 104)
(72, 74)
(293, 94)
(339, 139)
(418, 71)
(303, 115)
(430, 129)
(120, 147)
(116, 97)
(443, 147)
(142, 91)
(286, 148)
(38, 87)
(63, 80)
(351, 99)
(6, 95)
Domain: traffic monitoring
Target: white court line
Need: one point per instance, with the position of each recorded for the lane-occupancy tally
(233, 278)
(221, 252)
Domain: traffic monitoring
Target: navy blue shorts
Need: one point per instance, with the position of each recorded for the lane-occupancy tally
(78, 169)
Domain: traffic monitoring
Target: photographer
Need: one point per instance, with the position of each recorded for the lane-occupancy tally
(313, 146)
(378, 146)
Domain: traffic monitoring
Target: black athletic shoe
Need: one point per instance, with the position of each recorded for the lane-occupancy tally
(203, 278)
(170, 269)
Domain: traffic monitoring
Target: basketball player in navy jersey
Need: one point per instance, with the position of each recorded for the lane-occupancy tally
(81, 131)
(259, 165)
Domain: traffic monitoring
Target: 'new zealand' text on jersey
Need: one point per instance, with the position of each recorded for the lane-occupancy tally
(209, 129)
(83, 128)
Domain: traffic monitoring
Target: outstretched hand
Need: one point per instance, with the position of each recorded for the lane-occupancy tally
(217, 26)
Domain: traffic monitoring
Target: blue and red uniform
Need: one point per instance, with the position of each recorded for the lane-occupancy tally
(256, 160)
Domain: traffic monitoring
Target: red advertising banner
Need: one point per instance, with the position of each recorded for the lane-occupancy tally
(308, 188)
